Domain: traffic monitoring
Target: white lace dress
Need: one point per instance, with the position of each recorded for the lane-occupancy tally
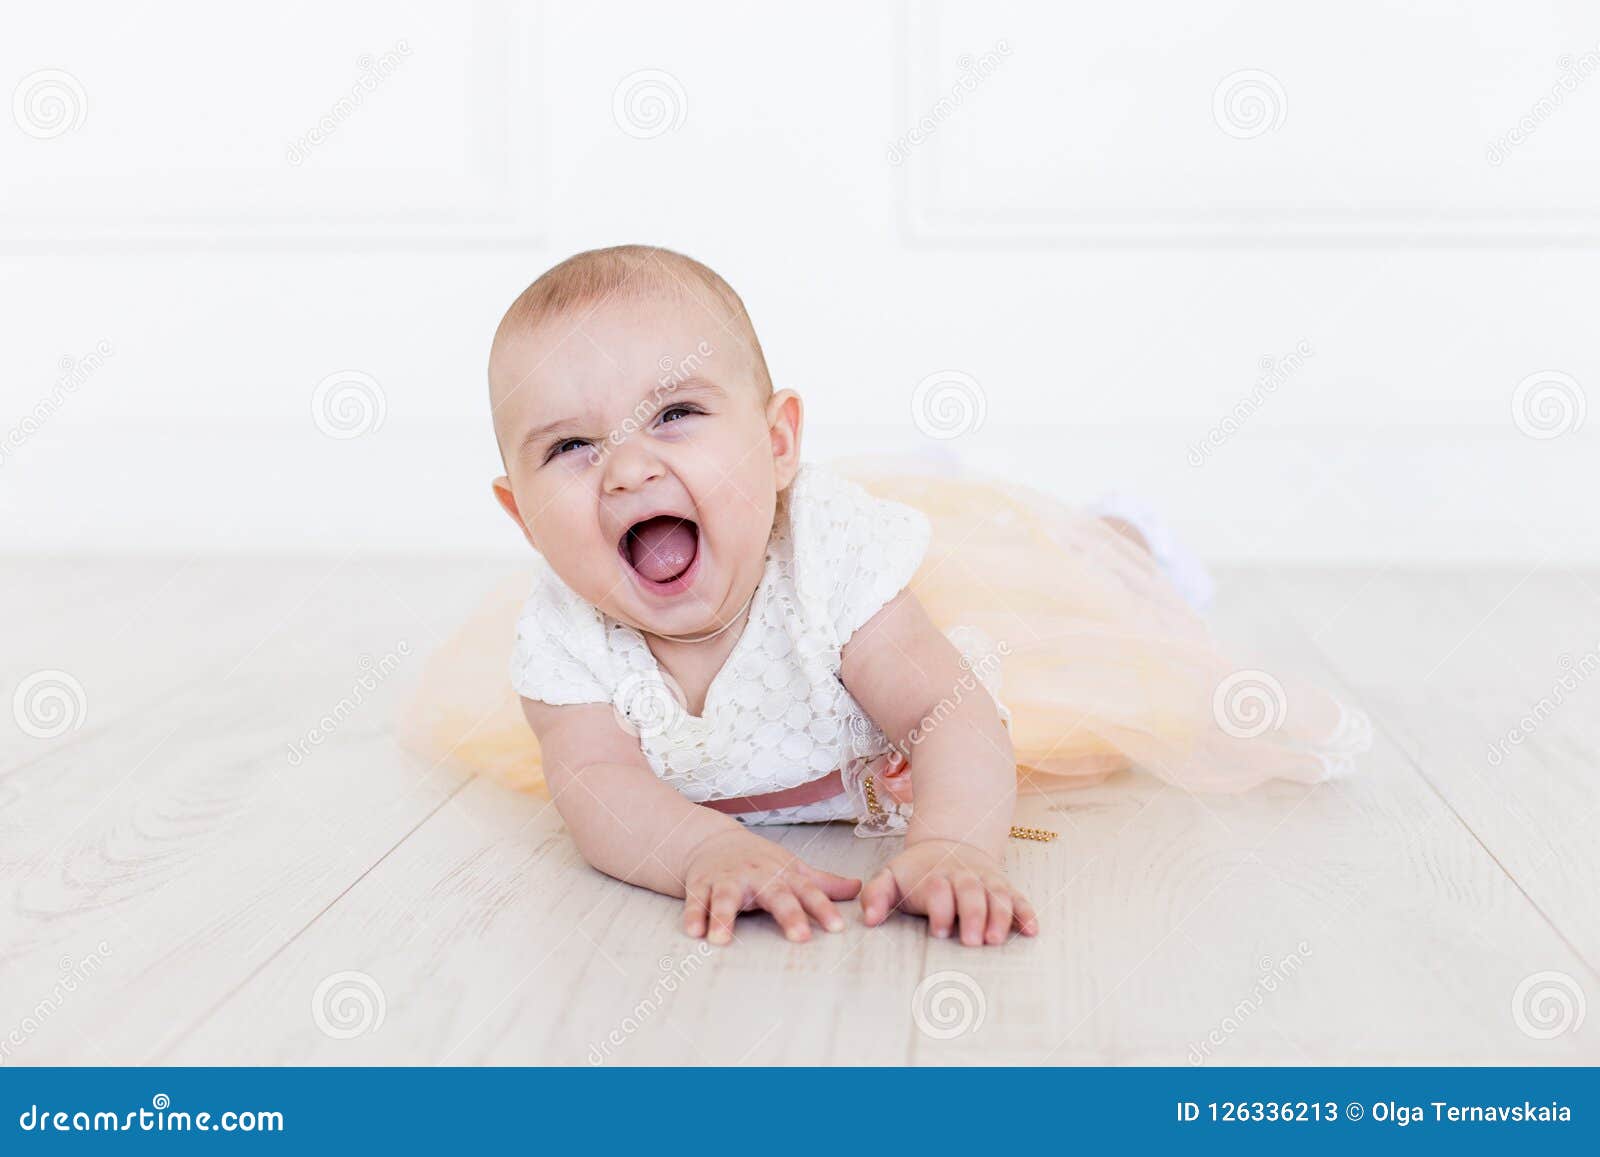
(777, 714)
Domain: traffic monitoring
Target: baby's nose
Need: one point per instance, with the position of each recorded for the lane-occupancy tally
(631, 464)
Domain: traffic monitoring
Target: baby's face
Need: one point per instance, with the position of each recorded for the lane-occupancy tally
(641, 461)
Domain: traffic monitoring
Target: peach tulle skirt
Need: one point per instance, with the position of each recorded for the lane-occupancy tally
(1105, 666)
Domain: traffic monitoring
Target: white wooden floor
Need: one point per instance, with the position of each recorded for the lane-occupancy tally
(173, 890)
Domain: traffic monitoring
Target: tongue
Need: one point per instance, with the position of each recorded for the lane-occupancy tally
(662, 548)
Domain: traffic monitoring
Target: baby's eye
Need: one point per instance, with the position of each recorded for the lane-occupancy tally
(666, 415)
(562, 447)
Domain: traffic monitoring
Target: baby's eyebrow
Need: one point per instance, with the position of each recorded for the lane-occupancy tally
(539, 433)
(693, 385)
(690, 385)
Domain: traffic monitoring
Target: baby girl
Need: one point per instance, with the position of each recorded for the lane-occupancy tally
(751, 608)
(723, 636)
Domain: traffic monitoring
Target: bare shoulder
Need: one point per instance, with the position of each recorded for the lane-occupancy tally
(896, 662)
(901, 622)
(574, 734)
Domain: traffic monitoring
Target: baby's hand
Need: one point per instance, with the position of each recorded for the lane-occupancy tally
(736, 871)
(945, 878)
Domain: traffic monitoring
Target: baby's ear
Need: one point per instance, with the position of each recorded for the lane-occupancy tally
(508, 502)
(785, 419)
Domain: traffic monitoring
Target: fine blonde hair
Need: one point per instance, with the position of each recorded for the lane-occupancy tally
(631, 272)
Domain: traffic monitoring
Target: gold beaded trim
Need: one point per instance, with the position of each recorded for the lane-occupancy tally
(873, 805)
(1044, 835)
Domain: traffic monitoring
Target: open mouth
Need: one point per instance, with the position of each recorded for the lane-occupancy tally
(662, 551)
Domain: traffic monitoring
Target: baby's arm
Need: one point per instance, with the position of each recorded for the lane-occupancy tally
(630, 825)
(908, 676)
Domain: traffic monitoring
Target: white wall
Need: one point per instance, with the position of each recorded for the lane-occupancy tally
(1096, 238)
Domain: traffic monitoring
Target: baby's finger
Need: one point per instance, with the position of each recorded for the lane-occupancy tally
(1000, 913)
(786, 910)
(725, 902)
(939, 902)
(694, 910)
(1027, 919)
(972, 902)
(837, 887)
(816, 902)
(881, 894)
